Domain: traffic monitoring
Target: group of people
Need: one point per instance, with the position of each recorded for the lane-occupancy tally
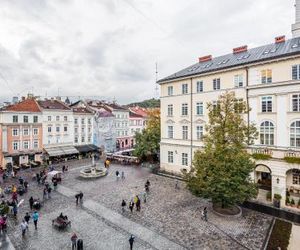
(25, 222)
(120, 176)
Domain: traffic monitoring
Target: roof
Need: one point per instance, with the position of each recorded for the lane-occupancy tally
(259, 54)
(82, 110)
(115, 106)
(27, 105)
(139, 111)
(134, 115)
(52, 104)
(105, 113)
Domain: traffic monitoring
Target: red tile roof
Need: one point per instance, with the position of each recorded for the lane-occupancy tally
(53, 104)
(81, 110)
(28, 105)
(139, 111)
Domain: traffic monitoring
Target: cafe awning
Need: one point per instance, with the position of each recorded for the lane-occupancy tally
(87, 148)
(61, 150)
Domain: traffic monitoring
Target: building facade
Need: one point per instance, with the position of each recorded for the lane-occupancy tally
(21, 133)
(268, 79)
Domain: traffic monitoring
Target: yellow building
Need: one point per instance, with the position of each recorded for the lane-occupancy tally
(268, 78)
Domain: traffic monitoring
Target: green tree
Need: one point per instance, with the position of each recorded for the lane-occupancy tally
(221, 171)
(147, 142)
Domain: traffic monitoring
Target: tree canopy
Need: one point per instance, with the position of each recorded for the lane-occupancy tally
(147, 141)
(221, 170)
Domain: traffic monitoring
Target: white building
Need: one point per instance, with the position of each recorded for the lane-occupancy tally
(58, 128)
(268, 78)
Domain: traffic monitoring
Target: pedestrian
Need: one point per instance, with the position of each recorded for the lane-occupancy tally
(21, 181)
(138, 204)
(204, 214)
(131, 240)
(49, 191)
(45, 193)
(27, 217)
(146, 188)
(145, 197)
(15, 197)
(77, 198)
(38, 178)
(31, 202)
(54, 184)
(15, 210)
(74, 241)
(80, 196)
(24, 226)
(35, 218)
(25, 186)
(117, 174)
(131, 205)
(123, 205)
(123, 175)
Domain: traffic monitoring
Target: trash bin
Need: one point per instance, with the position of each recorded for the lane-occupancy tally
(79, 244)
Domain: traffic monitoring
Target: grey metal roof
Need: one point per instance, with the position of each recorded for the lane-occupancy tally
(258, 54)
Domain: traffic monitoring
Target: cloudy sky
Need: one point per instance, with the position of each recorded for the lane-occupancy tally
(108, 48)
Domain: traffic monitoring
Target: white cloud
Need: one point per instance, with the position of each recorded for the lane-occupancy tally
(108, 48)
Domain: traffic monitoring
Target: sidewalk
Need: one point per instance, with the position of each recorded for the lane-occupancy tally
(5, 243)
(295, 238)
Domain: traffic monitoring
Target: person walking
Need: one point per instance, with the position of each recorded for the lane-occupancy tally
(15, 210)
(15, 197)
(138, 204)
(74, 241)
(123, 175)
(145, 197)
(31, 202)
(24, 226)
(49, 189)
(123, 205)
(204, 214)
(44, 193)
(35, 218)
(63, 168)
(77, 198)
(117, 175)
(80, 196)
(131, 241)
(131, 205)
(27, 218)
(54, 184)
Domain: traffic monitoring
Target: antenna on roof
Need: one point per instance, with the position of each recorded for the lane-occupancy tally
(156, 79)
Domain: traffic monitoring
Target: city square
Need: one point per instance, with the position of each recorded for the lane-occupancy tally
(170, 218)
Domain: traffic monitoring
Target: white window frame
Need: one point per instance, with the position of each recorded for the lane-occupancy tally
(49, 118)
(184, 159)
(170, 132)
(170, 157)
(49, 129)
(15, 132)
(296, 102)
(184, 88)
(267, 133)
(266, 104)
(185, 132)
(26, 131)
(35, 144)
(26, 145)
(199, 86)
(199, 108)
(295, 134)
(296, 72)
(35, 131)
(184, 109)
(238, 81)
(170, 90)
(199, 132)
(266, 76)
(15, 145)
(217, 84)
(170, 110)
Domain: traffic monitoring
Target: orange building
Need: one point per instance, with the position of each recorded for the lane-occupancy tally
(21, 133)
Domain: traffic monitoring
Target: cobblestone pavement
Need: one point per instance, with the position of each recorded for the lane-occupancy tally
(172, 214)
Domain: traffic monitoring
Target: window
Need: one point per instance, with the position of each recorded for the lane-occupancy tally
(199, 86)
(184, 88)
(15, 132)
(49, 118)
(184, 109)
(82, 121)
(266, 104)
(15, 119)
(76, 139)
(239, 105)
(65, 118)
(266, 76)
(76, 121)
(89, 121)
(217, 83)
(25, 145)
(296, 103)
(82, 130)
(57, 129)
(89, 139)
(76, 130)
(170, 90)
(49, 129)
(295, 134)
(82, 139)
(35, 144)
(89, 130)
(296, 72)
(126, 132)
(35, 119)
(170, 157)
(184, 158)
(25, 119)
(25, 131)
(170, 110)
(65, 129)
(36, 131)
(184, 132)
(170, 132)
(57, 118)
(199, 132)
(199, 108)
(266, 133)
(238, 81)
(15, 145)
(296, 176)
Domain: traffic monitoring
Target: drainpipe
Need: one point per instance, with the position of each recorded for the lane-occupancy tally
(247, 98)
(191, 121)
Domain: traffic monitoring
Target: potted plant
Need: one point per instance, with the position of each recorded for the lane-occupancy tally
(276, 200)
(268, 196)
(293, 202)
(287, 201)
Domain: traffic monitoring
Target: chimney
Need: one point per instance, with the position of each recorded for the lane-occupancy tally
(240, 49)
(205, 58)
(23, 98)
(280, 39)
(296, 25)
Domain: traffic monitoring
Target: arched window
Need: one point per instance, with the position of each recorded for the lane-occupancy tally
(267, 133)
(295, 134)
